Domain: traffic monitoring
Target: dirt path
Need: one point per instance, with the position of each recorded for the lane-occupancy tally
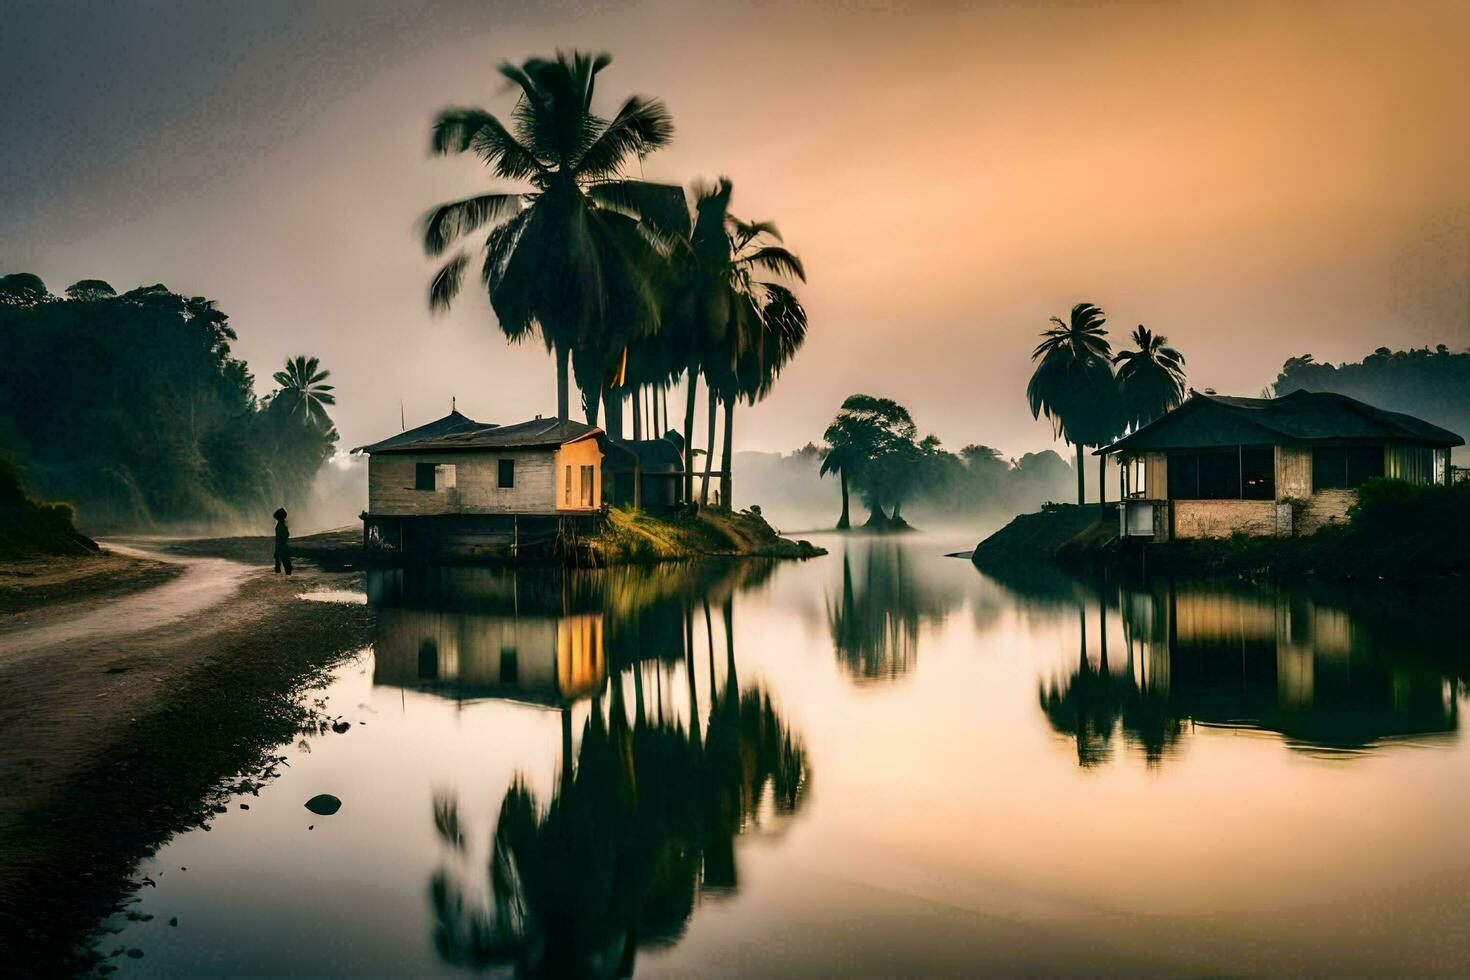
(201, 583)
(27, 585)
(125, 711)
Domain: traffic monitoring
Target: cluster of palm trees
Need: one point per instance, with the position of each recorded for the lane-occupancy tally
(1091, 395)
(629, 286)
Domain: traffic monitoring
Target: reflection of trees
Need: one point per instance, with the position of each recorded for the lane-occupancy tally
(1237, 655)
(643, 820)
(1092, 703)
(875, 619)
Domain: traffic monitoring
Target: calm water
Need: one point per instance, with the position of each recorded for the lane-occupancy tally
(876, 761)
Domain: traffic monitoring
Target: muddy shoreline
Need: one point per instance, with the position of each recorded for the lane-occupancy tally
(109, 746)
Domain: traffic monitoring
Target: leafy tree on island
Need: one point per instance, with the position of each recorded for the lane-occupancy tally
(870, 445)
(565, 257)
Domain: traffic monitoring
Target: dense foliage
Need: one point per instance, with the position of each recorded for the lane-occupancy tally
(872, 447)
(29, 528)
(132, 407)
(1431, 384)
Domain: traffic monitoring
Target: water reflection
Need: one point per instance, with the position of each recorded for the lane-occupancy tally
(876, 616)
(647, 807)
(1302, 666)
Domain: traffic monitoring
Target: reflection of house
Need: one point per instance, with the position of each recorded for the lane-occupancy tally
(465, 488)
(1218, 466)
(1288, 665)
(552, 660)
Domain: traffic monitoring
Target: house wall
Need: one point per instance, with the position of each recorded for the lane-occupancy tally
(576, 455)
(1323, 508)
(1222, 518)
(1293, 472)
(537, 489)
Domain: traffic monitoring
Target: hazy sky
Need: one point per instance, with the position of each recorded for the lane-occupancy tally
(1256, 181)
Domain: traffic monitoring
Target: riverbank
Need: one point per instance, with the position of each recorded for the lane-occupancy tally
(625, 537)
(111, 743)
(631, 537)
(1394, 532)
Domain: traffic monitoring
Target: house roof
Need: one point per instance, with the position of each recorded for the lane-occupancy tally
(662, 455)
(450, 424)
(522, 435)
(1206, 420)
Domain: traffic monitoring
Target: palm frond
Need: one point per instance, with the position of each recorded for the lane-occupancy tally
(446, 283)
(641, 126)
(449, 222)
(778, 259)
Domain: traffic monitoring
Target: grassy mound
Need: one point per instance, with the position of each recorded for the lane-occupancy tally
(29, 529)
(1038, 537)
(635, 536)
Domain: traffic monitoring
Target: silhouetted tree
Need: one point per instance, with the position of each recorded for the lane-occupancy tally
(572, 263)
(1150, 378)
(302, 390)
(1073, 383)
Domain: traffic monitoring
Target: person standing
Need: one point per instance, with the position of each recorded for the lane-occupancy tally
(283, 542)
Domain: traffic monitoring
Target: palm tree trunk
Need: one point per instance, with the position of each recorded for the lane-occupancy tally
(612, 408)
(725, 461)
(1102, 481)
(563, 384)
(843, 522)
(709, 445)
(592, 407)
(665, 394)
(691, 388)
(1081, 477)
(638, 413)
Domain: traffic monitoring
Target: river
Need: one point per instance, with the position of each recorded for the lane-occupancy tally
(878, 761)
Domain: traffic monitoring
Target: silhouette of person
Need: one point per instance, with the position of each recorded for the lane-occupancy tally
(283, 542)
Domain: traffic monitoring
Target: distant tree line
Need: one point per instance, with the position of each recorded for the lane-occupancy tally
(1431, 384)
(132, 407)
(630, 284)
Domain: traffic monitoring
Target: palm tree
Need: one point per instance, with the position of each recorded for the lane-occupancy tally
(1073, 376)
(725, 311)
(564, 256)
(302, 388)
(1151, 378)
(771, 326)
(839, 458)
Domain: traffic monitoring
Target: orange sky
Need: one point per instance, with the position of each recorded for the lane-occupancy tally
(1255, 181)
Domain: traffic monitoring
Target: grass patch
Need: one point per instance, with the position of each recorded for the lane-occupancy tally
(631, 536)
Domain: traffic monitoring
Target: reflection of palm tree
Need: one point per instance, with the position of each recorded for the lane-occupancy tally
(875, 624)
(617, 857)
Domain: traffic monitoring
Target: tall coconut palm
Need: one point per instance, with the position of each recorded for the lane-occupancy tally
(769, 330)
(564, 256)
(1151, 378)
(302, 389)
(1073, 379)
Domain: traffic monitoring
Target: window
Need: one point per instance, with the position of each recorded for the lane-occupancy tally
(1258, 472)
(1236, 473)
(507, 475)
(567, 488)
(1135, 477)
(510, 666)
(433, 476)
(1219, 474)
(586, 486)
(1345, 467)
